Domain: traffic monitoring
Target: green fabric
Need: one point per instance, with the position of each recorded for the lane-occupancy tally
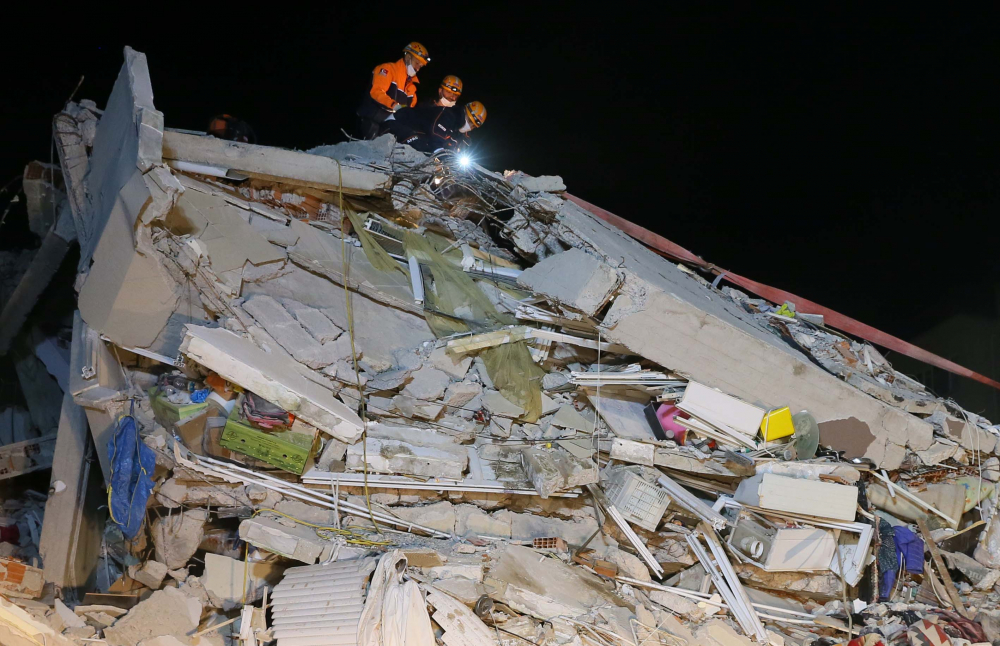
(377, 256)
(454, 293)
(516, 376)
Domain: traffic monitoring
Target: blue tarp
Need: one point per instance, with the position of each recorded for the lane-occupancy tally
(132, 464)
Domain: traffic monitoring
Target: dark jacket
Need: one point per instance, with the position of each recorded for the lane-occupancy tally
(428, 127)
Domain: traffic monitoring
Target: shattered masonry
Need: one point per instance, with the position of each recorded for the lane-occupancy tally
(358, 396)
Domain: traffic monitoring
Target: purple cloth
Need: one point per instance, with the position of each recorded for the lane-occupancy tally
(910, 547)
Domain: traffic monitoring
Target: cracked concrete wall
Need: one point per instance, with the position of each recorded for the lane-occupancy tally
(129, 135)
(128, 294)
(670, 317)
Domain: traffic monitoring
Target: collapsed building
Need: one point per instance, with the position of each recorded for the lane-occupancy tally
(361, 395)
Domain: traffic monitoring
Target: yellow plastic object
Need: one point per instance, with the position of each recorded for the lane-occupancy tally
(777, 424)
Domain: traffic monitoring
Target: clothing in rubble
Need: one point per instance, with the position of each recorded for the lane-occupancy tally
(429, 127)
(391, 86)
(907, 549)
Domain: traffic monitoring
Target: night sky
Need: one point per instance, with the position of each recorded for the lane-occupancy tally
(849, 157)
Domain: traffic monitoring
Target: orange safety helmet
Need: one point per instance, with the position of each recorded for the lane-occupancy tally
(453, 84)
(475, 112)
(418, 51)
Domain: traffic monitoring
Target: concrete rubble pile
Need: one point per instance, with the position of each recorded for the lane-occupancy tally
(381, 398)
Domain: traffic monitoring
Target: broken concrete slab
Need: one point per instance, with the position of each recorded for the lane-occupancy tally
(21, 628)
(552, 470)
(439, 515)
(128, 139)
(178, 536)
(229, 586)
(981, 577)
(150, 573)
(68, 617)
(427, 384)
(70, 541)
(543, 587)
(315, 321)
(128, 295)
(287, 538)
(165, 612)
(461, 626)
(825, 585)
(290, 333)
(987, 549)
(266, 162)
(334, 451)
(498, 405)
(528, 526)
(574, 278)
(671, 318)
(397, 456)
(465, 590)
(459, 394)
(277, 380)
(677, 604)
(471, 522)
(567, 417)
(455, 365)
(220, 232)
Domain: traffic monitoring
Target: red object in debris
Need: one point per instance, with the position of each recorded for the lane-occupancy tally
(666, 414)
(10, 534)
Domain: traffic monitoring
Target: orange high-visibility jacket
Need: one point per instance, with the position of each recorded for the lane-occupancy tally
(391, 85)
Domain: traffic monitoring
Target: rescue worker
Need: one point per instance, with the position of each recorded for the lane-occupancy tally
(428, 128)
(394, 86)
(448, 93)
(226, 126)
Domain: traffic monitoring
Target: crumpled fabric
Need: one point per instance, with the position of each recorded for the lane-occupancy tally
(870, 639)
(888, 560)
(961, 627)
(395, 613)
(911, 547)
(904, 547)
(131, 484)
(927, 633)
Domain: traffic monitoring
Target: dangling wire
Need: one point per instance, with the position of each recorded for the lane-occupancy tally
(345, 271)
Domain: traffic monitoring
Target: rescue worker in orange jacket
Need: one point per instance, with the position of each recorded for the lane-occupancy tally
(431, 127)
(394, 86)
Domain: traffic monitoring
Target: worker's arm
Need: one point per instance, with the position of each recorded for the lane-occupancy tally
(411, 90)
(387, 92)
(381, 82)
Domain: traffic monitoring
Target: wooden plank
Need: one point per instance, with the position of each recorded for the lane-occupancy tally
(943, 571)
